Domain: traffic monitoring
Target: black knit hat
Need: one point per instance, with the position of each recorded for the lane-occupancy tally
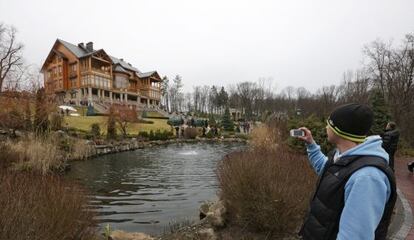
(351, 121)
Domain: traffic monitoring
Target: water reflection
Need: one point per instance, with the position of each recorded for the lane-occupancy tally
(146, 189)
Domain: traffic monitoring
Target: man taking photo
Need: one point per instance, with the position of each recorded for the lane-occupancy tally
(356, 192)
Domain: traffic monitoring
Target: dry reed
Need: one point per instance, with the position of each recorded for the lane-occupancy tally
(38, 207)
(267, 188)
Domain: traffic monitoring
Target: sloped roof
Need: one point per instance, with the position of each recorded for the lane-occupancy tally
(124, 64)
(146, 74)
(119, 68)
(79, 52)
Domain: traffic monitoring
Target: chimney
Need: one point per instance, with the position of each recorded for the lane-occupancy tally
(121, 59)
(89, 46)
(81, 45)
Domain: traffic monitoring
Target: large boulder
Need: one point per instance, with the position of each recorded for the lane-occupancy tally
(216, 215)
(214, 212)
(204, 209)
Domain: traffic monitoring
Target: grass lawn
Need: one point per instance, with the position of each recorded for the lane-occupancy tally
(84, 123)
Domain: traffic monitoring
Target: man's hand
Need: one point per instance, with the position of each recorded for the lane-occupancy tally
(308, 136)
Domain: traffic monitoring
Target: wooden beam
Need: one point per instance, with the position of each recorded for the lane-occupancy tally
(78, 65)
(101, 59)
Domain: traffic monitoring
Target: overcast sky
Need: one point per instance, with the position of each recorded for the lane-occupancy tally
(297, 43)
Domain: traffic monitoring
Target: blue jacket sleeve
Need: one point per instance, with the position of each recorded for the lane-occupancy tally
(366, 194)
(316, 157)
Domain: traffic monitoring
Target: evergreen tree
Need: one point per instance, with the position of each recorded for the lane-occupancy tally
(380, 110)
(223, 98)
(227, 122)
(90, 111)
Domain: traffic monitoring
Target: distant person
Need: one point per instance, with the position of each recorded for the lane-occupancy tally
(192, 122)
(356, 191)
(390, 141)
(204, 131)
(177, 133)
(182, 131)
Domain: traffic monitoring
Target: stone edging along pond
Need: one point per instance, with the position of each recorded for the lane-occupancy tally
(133, 144)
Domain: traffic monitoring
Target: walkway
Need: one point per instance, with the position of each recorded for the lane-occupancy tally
(405, 183)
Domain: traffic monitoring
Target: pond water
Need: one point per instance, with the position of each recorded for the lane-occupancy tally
(147, 189)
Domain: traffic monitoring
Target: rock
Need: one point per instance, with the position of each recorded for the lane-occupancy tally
(207, 234)
(121, 235)
(215, 215)
(204, 209)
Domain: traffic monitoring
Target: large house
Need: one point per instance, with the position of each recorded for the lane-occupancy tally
(82, 75)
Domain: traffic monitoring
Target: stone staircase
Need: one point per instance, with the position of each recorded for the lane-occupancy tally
(102, 108)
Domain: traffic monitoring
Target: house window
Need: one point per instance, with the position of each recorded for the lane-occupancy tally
(73, 68)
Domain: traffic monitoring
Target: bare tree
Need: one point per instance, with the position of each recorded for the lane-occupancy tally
(165, 92)
(197, 98)
(124, 116)
(204, 99)
(11, 59)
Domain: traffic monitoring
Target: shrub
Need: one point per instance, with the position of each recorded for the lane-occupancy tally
(267, 187)
(37, 154)
(111, 124)
(210, 134)
(143, 134)
(151, 135)
(12, 113)
(41, 117)
(265, 137)
(157, 135)
(79, 150)
(266, 190)
(56, 121)
(7, 155)
(190, 133)
(95, 130)
(212, 121)
(39, 207)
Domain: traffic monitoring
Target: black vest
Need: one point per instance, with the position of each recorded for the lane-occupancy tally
(327, 203)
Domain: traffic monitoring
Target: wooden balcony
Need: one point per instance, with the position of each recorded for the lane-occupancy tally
(73, 74)
(97, 72)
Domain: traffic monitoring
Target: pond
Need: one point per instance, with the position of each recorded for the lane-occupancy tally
(147, 189)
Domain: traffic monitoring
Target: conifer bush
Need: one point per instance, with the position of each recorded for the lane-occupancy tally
(227, 122)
